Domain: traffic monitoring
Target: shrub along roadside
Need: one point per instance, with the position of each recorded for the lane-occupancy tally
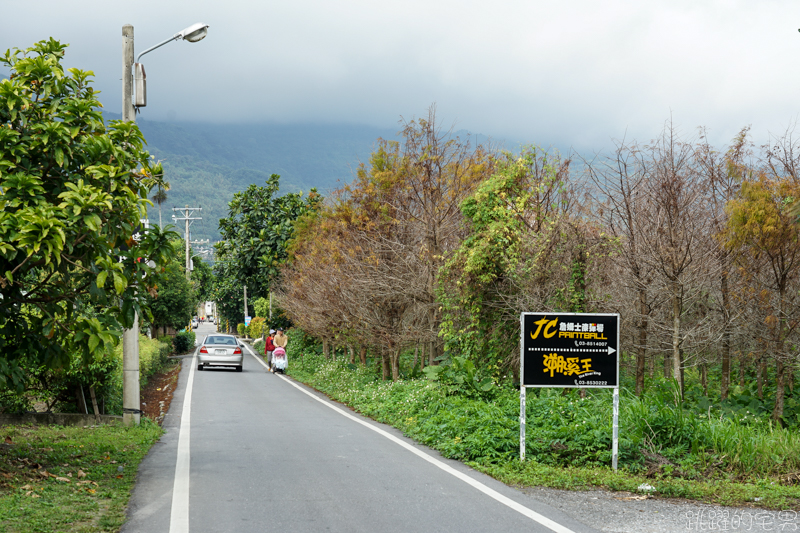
(83, 480)
(717, 460)
(69, 389)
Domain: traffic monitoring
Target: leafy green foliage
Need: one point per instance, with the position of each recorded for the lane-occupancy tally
(255, 236)
(172, 300)
(73, 192)
(58, 389)
(257, 327)
(241, 329)
(461, 376)
(184, 342)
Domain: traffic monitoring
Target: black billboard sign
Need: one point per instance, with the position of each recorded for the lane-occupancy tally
(570, 350)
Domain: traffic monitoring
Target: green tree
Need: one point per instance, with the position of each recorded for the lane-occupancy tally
(161, 186)
(73, 193)
(172, 300)
(255, 237)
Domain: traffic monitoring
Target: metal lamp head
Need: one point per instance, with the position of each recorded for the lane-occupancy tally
(195, 32)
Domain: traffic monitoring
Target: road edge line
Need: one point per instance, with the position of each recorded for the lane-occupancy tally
(505, 500)
(179, 512)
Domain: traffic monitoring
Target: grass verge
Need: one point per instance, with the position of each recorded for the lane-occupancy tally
(55, 479)
(678, 452)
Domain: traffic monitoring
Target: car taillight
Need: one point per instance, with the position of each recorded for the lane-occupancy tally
(237, 351)
(203, 349)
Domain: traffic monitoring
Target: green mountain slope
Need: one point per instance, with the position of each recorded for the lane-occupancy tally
(206, 163)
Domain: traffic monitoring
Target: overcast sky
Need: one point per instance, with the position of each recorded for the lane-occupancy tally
(567, 73)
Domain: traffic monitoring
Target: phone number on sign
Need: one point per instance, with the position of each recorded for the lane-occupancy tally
(589, 383)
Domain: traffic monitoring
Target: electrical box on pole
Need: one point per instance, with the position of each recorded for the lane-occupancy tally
(140, 82)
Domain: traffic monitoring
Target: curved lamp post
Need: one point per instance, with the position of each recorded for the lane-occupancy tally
(194, 33)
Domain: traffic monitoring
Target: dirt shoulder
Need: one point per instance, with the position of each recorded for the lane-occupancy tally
(156, 397)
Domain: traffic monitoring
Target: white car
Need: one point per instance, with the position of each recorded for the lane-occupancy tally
(220, 350)
(195, 324)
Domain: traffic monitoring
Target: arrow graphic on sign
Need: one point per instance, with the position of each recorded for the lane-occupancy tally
(611, 350)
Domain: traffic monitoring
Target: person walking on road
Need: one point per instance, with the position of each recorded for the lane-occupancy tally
(269, 347)
(281, 339)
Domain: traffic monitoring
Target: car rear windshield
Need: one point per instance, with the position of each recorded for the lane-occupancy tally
(221, 340)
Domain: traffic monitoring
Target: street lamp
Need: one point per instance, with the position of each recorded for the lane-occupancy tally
(194, 33)
(130, 337)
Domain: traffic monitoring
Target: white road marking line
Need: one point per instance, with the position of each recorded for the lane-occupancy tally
(533, 515)
(179, 514)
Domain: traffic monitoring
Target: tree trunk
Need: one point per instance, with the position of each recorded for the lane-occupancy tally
(396, 364)
(352, 355)
(416, 354)
(725, 379)
(641, 350)
(676, 336)
(79, 400)
(363, 355)
(760, 367)
(777, 412)
(326, 349)
(333, 352)
(94, 405)
(386, 364)
(742, 369)
(704, 377)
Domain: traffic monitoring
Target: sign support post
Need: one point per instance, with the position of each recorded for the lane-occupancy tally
(615, 431)
(522, 423)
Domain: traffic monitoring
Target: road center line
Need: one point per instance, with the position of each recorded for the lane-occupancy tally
(179, 514)
(508, 502)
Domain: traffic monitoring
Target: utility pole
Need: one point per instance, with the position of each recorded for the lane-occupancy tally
(187, 211)
(131, 412)
(245, 303)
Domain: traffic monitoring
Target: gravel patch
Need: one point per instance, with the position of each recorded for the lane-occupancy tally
(624, 512)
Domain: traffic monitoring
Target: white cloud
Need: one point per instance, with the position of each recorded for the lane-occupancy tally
(577, 72)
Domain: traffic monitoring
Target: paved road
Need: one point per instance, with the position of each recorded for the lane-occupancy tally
(266, 454)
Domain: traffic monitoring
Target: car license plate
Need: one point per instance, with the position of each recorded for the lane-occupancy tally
(220, 352)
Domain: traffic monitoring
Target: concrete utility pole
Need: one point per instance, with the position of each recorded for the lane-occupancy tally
(187, 211)
(130, 337)
(245, 303)
(131, 412)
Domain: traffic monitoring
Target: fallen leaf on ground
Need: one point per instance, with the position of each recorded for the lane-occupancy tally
(26, 487)
(62, 479)
(81, 473)
(8, 440)
(629, 498)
